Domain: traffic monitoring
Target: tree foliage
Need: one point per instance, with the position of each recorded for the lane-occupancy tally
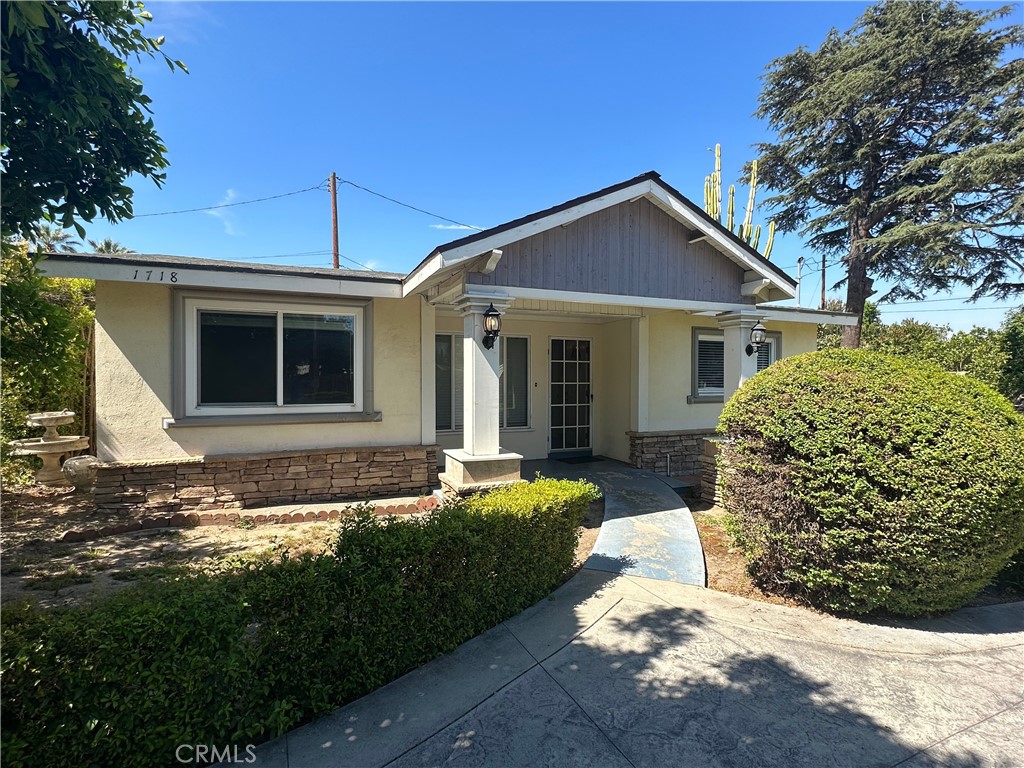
(900, 150)
(108, 245)
(984, 353)
(45, 331)
(50, 239)
(1012, 344)
(76, 120)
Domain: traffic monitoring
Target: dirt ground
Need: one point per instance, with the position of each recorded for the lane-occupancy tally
(726, 566)
(35, 563)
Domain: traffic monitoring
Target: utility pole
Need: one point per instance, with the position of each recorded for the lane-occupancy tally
(823, 281)
(799, 277)
(334, 219)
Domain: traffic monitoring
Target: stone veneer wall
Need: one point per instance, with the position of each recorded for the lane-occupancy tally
(675, 452)
(287, 477)
(710, 490)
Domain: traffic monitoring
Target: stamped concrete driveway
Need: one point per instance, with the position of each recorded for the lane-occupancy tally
(621, 669)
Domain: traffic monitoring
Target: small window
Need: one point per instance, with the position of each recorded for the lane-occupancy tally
(513, 386)
(709, 361)
(259, 358)
(768, 352)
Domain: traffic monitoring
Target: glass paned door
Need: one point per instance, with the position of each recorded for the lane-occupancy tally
(570, 394)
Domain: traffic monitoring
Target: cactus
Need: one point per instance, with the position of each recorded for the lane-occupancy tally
(745, 230)
(771, 240)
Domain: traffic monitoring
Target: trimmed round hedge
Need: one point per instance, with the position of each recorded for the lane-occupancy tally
(860, 482)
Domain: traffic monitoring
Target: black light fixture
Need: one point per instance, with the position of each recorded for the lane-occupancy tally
(492, 326)
(758, 334)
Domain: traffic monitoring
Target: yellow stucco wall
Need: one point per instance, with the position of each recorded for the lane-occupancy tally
(797, 338)
(671, 361)
(134, 385)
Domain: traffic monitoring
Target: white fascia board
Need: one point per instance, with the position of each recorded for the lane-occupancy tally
(416, 279)
(815, 316)
(486, 245)
(647, 302)
(185, 277)
(742, 258)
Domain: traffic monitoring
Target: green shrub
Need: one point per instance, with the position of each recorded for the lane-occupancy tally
(861, 482)
(243, 656)
(45, 330)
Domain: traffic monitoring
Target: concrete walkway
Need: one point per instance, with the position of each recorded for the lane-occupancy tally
(623, 666)
(647, 530)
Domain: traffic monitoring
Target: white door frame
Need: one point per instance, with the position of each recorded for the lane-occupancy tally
(589, 448)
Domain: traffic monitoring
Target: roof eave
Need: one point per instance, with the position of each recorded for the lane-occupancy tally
(184, 273)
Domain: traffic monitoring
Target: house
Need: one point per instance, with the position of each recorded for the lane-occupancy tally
(625, 321)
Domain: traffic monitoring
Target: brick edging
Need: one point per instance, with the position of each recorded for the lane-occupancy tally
(199, 519)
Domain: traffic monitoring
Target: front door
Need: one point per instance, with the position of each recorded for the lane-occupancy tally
(571, 395)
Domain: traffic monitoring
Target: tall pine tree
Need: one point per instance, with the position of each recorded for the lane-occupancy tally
(900, 151)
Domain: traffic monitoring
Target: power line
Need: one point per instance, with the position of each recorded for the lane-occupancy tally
(406, 205)
(310, 188)
(357, 263)
(231, 205)
(923, 301)
(289, 255)
(309, 253)
(946, 309)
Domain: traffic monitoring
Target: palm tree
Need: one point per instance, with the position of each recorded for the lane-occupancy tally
(52, 239)
(108, 245)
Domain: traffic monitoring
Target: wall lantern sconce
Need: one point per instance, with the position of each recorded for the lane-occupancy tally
(492, 326)
(758, 334)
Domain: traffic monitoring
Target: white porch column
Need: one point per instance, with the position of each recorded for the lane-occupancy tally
(481, 463)
(481, 371)
(739, 366)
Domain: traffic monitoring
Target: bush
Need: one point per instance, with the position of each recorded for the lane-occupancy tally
(239, 657)
(861, 482)
(45, 332)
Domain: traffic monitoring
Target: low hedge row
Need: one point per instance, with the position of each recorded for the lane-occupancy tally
(244, 656)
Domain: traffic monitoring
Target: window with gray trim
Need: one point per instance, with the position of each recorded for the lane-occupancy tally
(708, 364)
(708, 383)
(513, 386)
(768, 352)
(263, 357)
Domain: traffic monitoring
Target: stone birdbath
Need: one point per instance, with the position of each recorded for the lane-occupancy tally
(51, 446)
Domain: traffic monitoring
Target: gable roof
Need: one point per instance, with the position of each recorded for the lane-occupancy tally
(649, 185)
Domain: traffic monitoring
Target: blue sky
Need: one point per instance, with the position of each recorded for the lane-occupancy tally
(479, 112)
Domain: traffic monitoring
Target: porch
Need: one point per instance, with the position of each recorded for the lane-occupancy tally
(567, 379)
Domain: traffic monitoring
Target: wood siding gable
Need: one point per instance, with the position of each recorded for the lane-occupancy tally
(629, 249)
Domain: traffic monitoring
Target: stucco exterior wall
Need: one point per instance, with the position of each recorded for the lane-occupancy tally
(610, 384)
(671, 338)
(616, 384)
(671, 363)
(797, 338)
(134, 353)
